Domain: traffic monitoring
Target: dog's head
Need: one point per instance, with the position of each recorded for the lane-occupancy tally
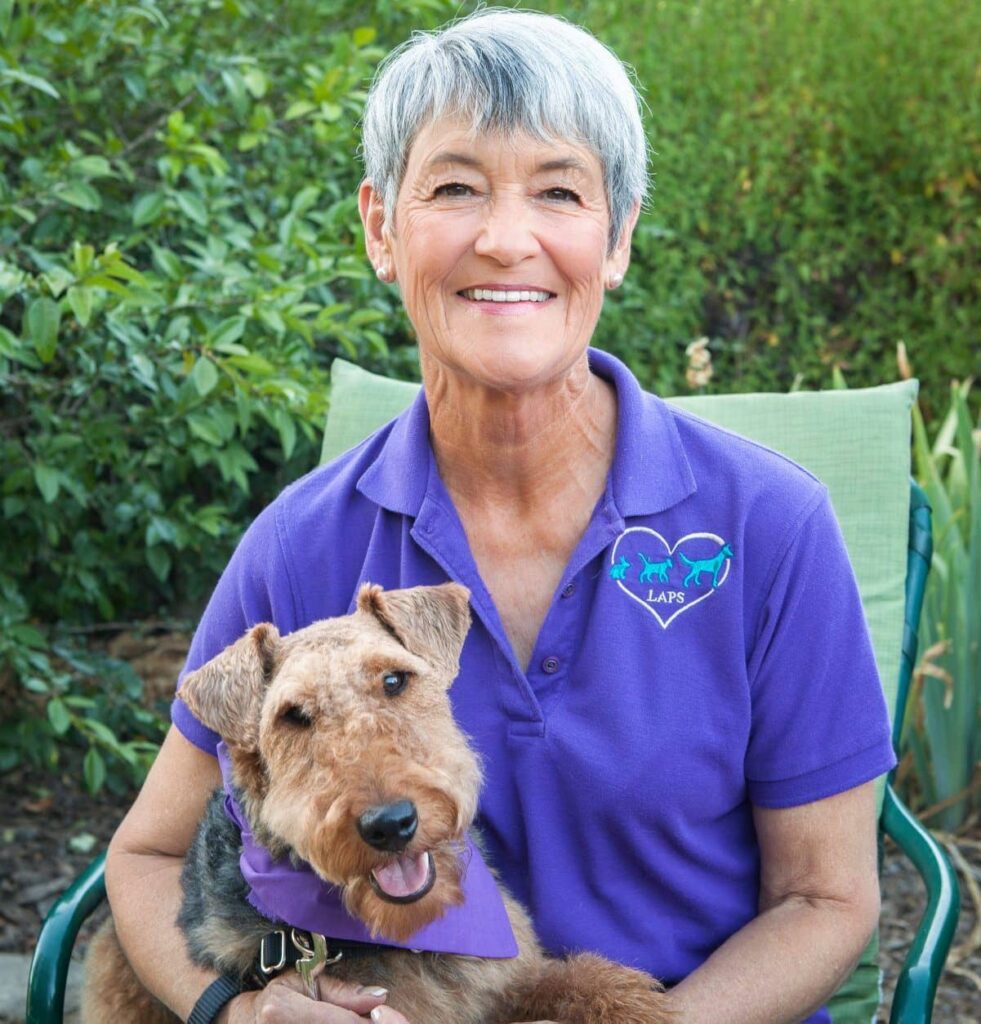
(344, 748)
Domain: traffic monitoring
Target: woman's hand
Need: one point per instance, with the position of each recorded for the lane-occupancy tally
(285, 1001)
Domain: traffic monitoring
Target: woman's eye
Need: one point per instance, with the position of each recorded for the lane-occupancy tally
(295, 715)
(394, 683)
(563, 194)
(452, 189)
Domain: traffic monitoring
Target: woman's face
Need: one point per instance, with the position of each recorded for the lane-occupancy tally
(499, 247)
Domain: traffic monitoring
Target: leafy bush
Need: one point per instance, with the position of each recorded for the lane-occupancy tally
(816, 195)
(180, 261)
(180, 258)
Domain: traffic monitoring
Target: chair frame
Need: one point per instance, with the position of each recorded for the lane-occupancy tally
(916, 986)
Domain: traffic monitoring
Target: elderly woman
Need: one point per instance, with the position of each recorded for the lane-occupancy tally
(668, 677)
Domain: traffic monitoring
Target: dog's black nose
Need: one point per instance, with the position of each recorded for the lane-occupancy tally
(389, 827)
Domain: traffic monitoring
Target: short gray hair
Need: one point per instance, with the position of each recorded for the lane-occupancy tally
(510, 71)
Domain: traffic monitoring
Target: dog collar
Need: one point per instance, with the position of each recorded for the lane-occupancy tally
(284, 891)
(284, 948)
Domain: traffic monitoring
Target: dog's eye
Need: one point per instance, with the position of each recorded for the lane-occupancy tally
(295, 715)
(394, 683)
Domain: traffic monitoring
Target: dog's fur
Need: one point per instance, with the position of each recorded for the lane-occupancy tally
(314, 741)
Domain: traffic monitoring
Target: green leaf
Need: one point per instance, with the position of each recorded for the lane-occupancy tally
(148, 208)
(143, 368)
(204, 376)
(93, 770)
(48, 481)
(80, 194)
(304, 199)
(364, 36)
(159, 561)
(57, 279)
(82, 258)
(59, 716)
(256, 82)
(9, 344)
(300, 108)
(91, 167)
(192, 207)
(167, 262)
(228, 331)
(204, 430)
(35, 82)
(287, 431)
(43, 318)
(80, 300)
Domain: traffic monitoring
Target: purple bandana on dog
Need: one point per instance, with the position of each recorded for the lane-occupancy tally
(296, 895)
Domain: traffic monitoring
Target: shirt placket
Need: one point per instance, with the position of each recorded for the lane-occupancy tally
(438, 531)
(557, 645)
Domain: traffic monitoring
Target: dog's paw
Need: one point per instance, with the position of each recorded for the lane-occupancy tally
(588, 989)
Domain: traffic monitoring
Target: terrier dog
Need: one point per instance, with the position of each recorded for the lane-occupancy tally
(344, 754)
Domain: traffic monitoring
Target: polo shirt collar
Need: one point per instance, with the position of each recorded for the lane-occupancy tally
(650, 471)
(399, 477)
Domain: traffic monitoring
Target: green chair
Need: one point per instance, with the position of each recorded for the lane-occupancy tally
(857, 442)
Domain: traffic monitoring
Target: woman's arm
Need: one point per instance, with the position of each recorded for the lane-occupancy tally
(819, 904)
(143, 869)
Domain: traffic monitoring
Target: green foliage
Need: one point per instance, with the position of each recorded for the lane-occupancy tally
(69, 694)
(944, 734)
(816, 195)
(179, 260)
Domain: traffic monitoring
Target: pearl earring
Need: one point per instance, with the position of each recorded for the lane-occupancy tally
(614, 281)
(384, 274)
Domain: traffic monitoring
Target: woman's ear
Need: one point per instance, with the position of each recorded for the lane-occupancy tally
(371, 206)
(619, 259)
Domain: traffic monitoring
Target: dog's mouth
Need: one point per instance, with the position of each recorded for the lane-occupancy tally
(405, 879)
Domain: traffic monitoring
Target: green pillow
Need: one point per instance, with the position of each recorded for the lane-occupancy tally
(856, 441)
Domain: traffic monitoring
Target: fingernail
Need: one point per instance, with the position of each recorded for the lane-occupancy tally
(378, 993)
(376, 1013)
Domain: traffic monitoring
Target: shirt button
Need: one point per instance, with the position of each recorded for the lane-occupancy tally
(550, 665)
(568, 590)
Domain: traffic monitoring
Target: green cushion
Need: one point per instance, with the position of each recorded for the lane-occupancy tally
(856, 441)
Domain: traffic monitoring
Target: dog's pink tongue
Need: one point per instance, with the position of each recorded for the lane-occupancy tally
(404, 876)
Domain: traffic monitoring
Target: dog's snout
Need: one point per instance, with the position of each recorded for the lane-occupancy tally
(389, 827)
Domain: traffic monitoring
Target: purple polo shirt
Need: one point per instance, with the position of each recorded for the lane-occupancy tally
(706, 650)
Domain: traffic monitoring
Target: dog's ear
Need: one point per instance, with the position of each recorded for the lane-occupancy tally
(226, 694)
(431, 622)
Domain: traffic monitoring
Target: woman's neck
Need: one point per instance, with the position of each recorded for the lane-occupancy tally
(524, 450)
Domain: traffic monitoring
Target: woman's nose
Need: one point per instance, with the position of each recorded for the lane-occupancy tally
(506, 234)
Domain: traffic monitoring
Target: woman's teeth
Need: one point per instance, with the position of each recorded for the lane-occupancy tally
(490, 295)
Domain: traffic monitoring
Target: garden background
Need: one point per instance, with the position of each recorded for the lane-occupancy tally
(181, 259)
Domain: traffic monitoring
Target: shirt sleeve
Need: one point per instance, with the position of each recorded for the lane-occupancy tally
(255, 587)
(819, 720)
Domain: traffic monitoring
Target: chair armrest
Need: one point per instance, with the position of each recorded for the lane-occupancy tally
(917, 982)
(49, 967)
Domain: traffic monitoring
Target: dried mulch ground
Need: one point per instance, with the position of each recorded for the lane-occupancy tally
(50, 829)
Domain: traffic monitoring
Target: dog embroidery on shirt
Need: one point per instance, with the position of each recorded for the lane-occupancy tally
(668, 579)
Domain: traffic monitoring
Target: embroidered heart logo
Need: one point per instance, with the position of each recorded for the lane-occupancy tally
(669, 579)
